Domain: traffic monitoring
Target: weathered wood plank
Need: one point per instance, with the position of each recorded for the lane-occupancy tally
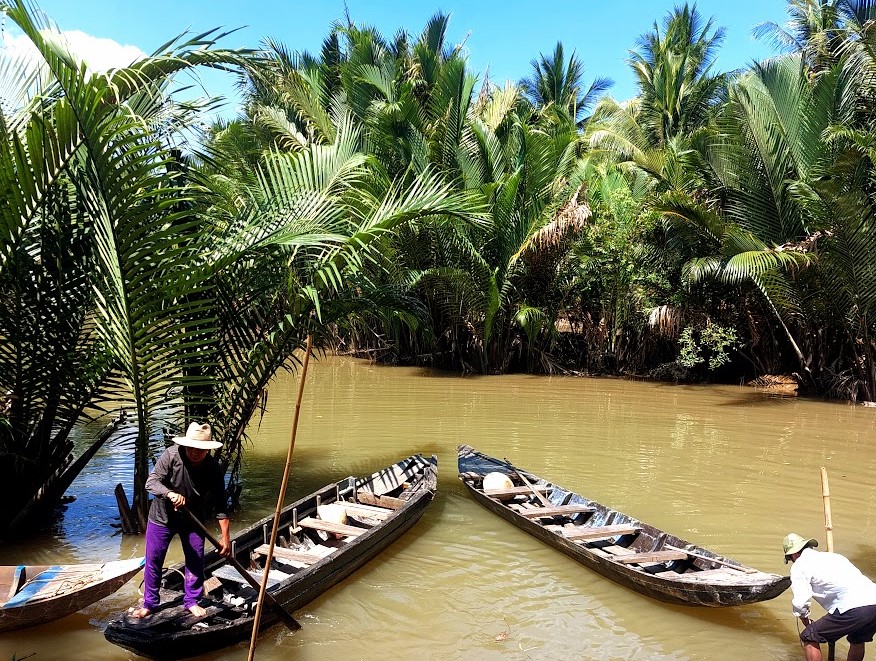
(381, 513)
(229, 573)
(559, 510)
(717, 561)
(709, 574)
(290, 554)
(386, 502)
(652, 557)
(392, 478)
(516, 491)
(191, 620)
(212, 583)
(328, 526)
(595, 533)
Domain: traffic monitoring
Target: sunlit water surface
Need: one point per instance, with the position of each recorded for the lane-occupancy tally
(728, 468)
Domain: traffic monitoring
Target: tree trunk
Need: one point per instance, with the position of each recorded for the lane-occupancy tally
(141, 472)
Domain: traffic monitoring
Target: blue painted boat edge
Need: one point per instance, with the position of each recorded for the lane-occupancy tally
(15, 578)
(32, 587)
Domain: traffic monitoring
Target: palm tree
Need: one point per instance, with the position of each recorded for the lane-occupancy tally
(768, 156)
(814, 29)
(559, 86)
(301, 255)
(674, 74)
(83, 164)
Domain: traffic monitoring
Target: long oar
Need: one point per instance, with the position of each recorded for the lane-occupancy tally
(281, 497)
(287, 618)
(544, 501)
(828, 528)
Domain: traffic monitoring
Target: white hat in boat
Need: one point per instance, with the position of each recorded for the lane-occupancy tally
(794, 543)
(496, 480)
(198, 435)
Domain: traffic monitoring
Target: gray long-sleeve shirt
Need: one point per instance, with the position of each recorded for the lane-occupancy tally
(203, 487)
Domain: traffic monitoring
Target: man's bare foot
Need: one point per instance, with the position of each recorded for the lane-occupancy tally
(197, 611)
(140, 613)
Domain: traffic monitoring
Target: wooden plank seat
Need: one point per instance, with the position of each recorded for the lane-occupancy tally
(385, 502)
(328, 526)
(652, 557)
(558, 510)
(595, 533)
(294, 557)
(381, 513)
(229, 573)
(516, 491)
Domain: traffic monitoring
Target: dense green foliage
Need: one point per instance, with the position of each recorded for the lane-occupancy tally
(384, 198)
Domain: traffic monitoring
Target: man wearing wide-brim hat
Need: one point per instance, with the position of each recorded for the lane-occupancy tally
(840, 588)
(184, 475)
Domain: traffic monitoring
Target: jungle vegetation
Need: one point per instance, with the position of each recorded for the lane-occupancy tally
(388, 200)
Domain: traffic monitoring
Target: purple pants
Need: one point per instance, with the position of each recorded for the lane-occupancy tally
(157, 541)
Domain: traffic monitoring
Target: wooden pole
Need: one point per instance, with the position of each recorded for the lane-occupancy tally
(282, 496)
(828, 529)
(544, 501)
(828, 522)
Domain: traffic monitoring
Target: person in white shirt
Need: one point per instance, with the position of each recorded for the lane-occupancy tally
(840, 588)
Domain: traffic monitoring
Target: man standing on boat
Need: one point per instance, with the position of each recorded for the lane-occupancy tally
(840, 588)
(186, 475)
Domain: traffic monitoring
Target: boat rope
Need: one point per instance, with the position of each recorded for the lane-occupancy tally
(74, 583)
(164, 574)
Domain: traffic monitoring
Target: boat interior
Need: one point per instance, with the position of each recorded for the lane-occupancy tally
(608, 533)
(309, 531)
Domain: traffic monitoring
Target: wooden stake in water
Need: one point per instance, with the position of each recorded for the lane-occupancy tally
(828, 529)
(281, 497)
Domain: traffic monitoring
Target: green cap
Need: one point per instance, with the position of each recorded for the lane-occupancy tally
(794, 543)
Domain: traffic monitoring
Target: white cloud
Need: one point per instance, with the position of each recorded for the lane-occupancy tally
(97, 53)
(102, 54)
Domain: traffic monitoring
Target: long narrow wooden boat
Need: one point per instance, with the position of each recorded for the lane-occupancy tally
(36, 594)
(617, 546)
(312, 555)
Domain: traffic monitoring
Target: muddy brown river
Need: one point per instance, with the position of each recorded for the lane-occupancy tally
(728, 468)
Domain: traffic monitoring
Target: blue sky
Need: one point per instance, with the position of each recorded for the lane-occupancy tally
(505, 36)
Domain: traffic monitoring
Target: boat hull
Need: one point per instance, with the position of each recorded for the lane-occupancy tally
(55, 591)
(731, 588)
(149, 640)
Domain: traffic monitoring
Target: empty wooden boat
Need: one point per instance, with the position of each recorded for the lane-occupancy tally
(36, 594)
(312, 554)
(616, 545)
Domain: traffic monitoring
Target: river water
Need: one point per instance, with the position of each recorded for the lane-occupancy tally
(729, 468)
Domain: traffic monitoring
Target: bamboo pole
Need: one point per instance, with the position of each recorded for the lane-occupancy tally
(282, 496)
(828, 522)
(828, 529)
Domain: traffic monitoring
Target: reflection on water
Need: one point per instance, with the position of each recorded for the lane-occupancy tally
(725, 467)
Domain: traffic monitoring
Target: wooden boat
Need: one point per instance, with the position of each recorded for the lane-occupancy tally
(36, 594)
(311, 556)
(630, 552)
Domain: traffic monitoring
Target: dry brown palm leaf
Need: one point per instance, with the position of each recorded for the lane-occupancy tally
(666, 320)
(570, 219)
